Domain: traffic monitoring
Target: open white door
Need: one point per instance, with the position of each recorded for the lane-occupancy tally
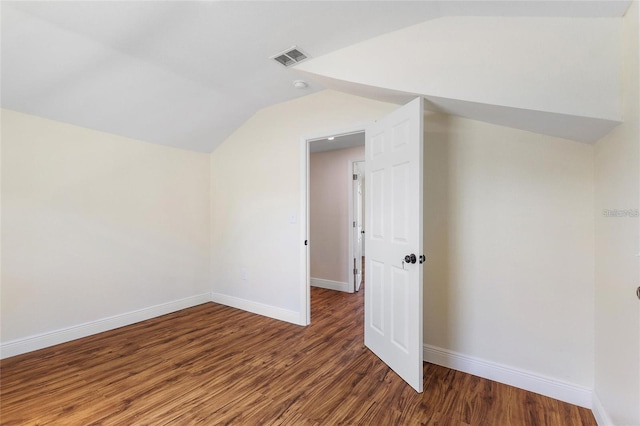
(393, 299)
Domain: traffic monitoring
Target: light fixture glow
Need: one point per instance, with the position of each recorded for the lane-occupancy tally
(331, 138)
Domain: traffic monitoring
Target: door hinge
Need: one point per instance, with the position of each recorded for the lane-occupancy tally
(355, 177)
(354, 223)
(355, 271)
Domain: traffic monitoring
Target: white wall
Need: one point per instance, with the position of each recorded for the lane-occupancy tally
(617, 310)
(509, 242)
(95, 226)
(561, 65)
(558, 76)
(329, 201)
(256, 183)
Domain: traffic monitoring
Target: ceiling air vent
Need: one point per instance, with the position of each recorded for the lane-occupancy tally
(290, 56)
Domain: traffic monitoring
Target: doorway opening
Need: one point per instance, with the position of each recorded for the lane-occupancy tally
(334, 220)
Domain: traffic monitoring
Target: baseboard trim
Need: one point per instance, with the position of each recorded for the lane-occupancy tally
(40, 341)
(331, 285)
(258, 308)
(601, 415)
(563, 391)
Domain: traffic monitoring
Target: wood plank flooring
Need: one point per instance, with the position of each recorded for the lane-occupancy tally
(211, 364)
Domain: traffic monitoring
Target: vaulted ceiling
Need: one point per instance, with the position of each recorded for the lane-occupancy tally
(187, 74)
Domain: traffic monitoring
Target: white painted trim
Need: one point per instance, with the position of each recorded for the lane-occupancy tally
(305, 265)
(332, 285)
(32, 343)
(599, 412)
(548, 386)
(350, 220)
(260, 308)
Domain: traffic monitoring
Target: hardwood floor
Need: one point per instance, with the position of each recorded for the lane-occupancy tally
(216, 365)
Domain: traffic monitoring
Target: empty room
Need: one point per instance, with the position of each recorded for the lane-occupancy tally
(474, 258)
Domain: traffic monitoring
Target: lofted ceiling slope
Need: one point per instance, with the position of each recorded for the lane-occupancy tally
(187, 74)
(552, 75)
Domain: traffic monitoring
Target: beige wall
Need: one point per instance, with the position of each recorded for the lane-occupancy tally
(96, 225)
(617, 310)
(256, 186)
(329, 212)
(509, 242)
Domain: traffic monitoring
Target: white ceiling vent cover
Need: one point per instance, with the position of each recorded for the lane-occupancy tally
(291, 56)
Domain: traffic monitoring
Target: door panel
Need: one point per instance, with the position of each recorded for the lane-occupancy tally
(393, 299)
(375, 294)
(375, 193)
(400, 181)
(400, 310)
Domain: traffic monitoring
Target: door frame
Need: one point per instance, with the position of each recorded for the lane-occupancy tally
(351, 215)
(305, 273)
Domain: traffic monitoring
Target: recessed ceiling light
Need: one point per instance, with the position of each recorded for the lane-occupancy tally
(331, 138)
(300, 84)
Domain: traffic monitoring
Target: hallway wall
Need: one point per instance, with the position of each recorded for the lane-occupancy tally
(329, 177)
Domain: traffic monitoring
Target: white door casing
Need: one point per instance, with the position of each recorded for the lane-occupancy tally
(357, 228)
(393, 299)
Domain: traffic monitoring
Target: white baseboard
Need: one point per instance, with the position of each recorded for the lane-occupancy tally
(601, 415)
(32, 343)
(331, 285)
(563, 391)
(258, 308)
